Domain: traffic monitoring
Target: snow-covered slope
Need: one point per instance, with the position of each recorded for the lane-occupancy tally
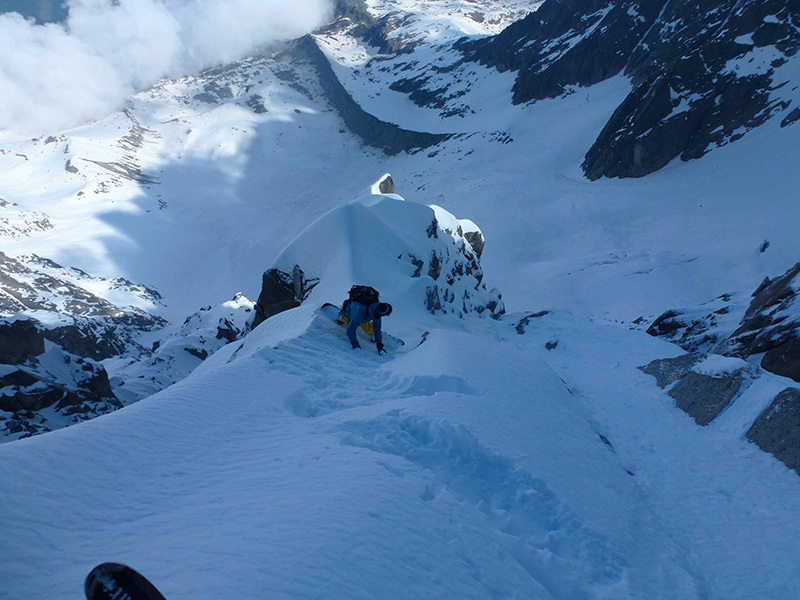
(325, 474)
(528, 456)
(415, 253)
(465, 466)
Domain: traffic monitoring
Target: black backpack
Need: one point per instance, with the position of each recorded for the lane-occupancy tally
(364, 294)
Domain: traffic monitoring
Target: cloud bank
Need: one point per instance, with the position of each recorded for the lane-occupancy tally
(60, 75)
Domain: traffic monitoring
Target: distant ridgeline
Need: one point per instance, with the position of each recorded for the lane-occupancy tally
(43, 11)
(703, 73)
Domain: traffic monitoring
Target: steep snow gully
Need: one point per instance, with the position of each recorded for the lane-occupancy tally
(478, 461)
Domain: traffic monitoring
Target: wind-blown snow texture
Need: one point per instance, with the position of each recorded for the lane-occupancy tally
(525, 457)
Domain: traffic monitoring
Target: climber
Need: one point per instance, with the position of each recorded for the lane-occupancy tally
(363, 308)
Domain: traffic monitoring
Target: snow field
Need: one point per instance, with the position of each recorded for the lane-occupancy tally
(255, 493)
(471, 466)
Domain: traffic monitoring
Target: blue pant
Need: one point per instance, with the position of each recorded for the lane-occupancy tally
(359, 313)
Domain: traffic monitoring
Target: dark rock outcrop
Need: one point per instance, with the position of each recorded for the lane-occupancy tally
(770, 326)
(52, 361)
(566, 44)
(355, 17)
(457, 275)
(73, 388)
(227, 331)
(19, 340)
(700, 395)
(669, 370)
(281, 291)
(98, 339)
(351, 15)
(703, 397)
(476, 241)
(695, 330)
(386, 184)
(471, 233)
(522, 325)
(699, 85)
(784, 359)
(87, 325)
(87, 339)
(777, 430)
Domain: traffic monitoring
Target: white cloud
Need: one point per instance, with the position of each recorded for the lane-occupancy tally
(56, 76)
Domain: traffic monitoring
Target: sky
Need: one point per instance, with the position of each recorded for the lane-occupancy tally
(59, 75)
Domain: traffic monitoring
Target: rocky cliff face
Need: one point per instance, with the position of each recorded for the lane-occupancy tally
(53, 334)
(765, 334)
(44, 387)
(566, 44)
(703, 73)
(768, 329)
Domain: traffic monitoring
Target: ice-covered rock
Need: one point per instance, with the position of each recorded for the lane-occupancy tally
(771, 325)
(768, 326)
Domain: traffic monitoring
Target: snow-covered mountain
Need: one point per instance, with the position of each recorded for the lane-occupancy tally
(703, 73)
(595, 330)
